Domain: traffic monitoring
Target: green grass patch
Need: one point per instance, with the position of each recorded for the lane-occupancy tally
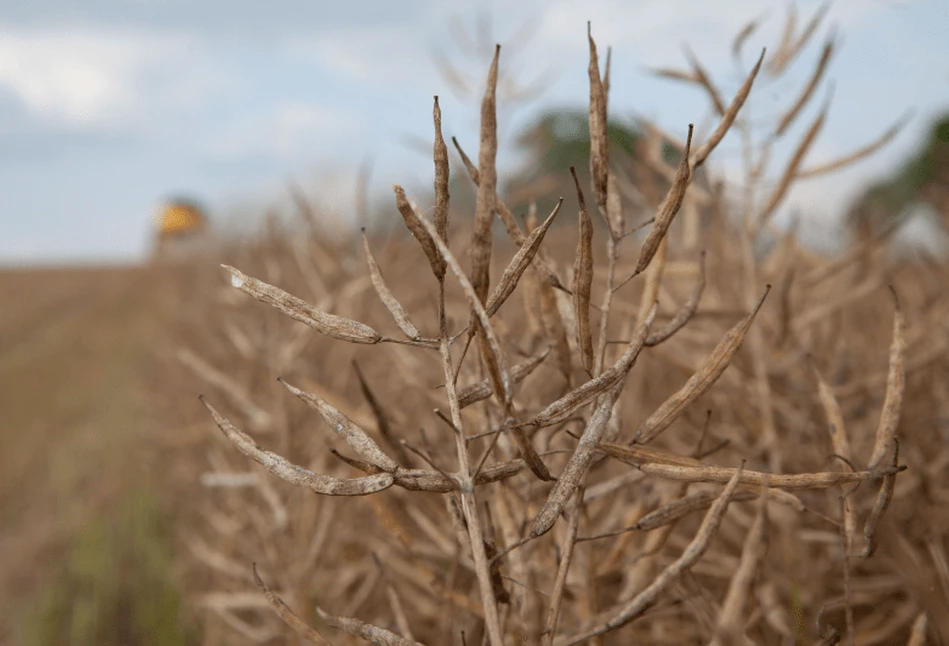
(118, 584)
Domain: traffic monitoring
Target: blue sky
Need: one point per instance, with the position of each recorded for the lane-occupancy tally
(108, 106)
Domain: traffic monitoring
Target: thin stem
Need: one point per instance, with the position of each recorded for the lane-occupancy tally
(601, 342)
(465, 480)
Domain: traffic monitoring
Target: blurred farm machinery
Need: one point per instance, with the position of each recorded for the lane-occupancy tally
(181, 227)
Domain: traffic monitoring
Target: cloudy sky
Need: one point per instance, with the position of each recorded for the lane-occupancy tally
(108, 106)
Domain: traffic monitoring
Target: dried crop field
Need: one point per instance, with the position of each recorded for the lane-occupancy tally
(622, 421)
(85, 552)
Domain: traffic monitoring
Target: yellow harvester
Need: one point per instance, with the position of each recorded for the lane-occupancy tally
(181, 223)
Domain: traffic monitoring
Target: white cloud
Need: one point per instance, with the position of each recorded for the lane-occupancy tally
(286, 131)
(650, 33)
(648, 29)
(370, 54)
(100, 78)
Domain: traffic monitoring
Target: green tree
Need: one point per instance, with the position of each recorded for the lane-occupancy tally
(924, 177)
(557, 140)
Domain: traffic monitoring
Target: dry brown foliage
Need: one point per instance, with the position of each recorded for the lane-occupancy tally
(508, 495)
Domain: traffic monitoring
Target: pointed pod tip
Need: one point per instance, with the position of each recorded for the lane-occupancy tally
(293, 389)
(207, 405)
(896, 298)
(260, 582)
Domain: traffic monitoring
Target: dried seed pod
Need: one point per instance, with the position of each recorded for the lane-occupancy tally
(560, 583)
(543, 265)
(614, 209)
(528, 452)
(260, 420)
(331, 325)
(789, 48)
(599, 142)
(582, 284)
(667, 210)
(469, 165)
(733, 616)
(840, 443)
(726, 123)
(382, 420)
(288, 616)
(395, 308)
(434, 482)
(857, 155)
(917, 635)
(482, 390)
(882, 503)
(699, 545)
(352, 434)
(486, 201)
(821, 480)
(685, 313)
(577, 467)
(555, 330)
(285, 470)
(790, 172)
(424, 238)
(712, 368)
(549, 314)
(520, 262)
(674, 74)
(567, 405)
(703, 79)
(363, 630)
(395, 602)
(637, 455)
(671, 512)
(808, 91)
(835, 418)
(895, 387)
(359, 465)
(743, 34)
(778, 62)
(440, 155)
(682, 507)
